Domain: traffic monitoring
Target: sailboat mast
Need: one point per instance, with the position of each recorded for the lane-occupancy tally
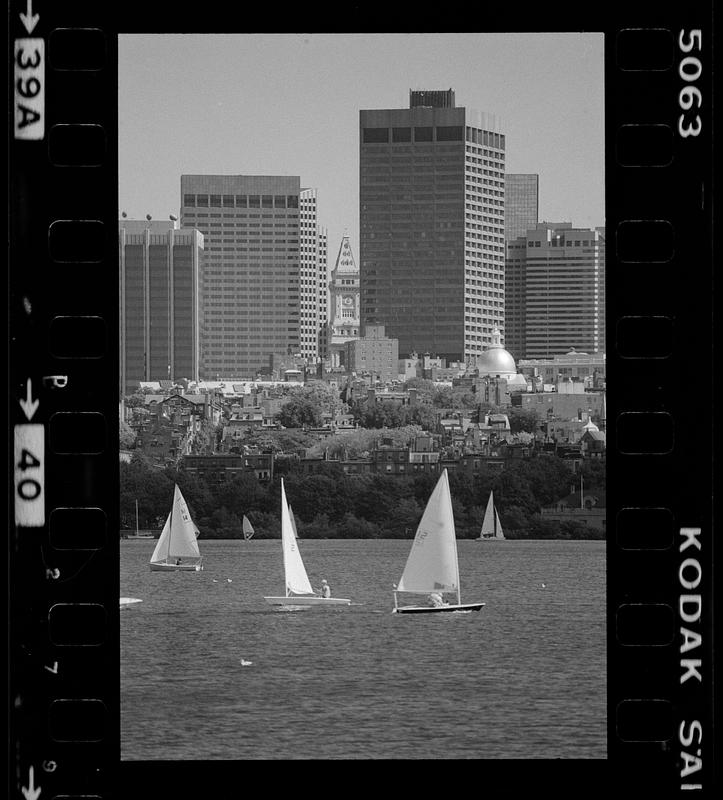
(136, 517)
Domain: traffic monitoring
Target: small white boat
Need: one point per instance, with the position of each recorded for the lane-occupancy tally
(491, 525)
(432, 567)
(299, 592)
(177, 548)
(129, 601)
(248, 528)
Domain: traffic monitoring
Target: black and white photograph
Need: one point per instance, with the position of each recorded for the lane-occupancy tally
(362, 396)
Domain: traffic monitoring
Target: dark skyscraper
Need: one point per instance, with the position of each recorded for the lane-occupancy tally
(432, 225)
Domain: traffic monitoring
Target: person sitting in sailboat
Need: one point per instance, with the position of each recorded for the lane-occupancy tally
(437, 599)
(325, 588)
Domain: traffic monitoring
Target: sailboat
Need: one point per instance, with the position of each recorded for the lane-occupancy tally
(248, 528)
(491, 525)
(177, 548)
(299, 593)
(432, 567)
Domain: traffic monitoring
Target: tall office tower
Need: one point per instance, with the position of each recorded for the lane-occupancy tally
(521, 210)
(313, 280)
(432, 222)
(323, 294)
(521, 202)
(250, 286)
(344, 317)
(564, 290)
(159, 289)
(516, 295)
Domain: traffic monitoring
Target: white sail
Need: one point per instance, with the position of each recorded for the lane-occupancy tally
(297, 581)
(178, 538)
(293, 522)
(488, 523)
(498, 532)
(161, 551)
(432, 563)
(248, 528)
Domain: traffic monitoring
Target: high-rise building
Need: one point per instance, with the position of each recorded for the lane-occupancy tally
(314, 280)
(559, 303)
(251, 281)
(344, 320)
(432, 223)
(159, 302)
(521, 204)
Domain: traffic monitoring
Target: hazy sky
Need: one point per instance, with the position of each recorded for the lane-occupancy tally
(288, 104)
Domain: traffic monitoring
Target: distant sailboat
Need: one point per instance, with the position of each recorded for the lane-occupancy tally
(248, 528)
(432, 567)
(491, 525)
(177, 548)
(299, 593)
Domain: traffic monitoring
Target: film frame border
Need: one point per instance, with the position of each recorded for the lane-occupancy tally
(65, 694)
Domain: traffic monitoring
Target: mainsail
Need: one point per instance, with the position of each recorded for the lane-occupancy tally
(297, 581)
(432, 563)
(247, 528)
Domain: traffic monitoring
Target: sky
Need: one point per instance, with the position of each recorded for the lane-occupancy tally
(288, 104)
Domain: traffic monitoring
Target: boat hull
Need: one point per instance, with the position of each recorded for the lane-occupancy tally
(437, 609)
(307, 602)
(176, 567)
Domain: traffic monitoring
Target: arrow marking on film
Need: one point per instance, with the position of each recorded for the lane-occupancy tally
(29, 405)
(30, 792)
(53, 669)
(29, 19)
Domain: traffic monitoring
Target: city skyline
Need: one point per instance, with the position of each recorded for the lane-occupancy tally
(180, 113)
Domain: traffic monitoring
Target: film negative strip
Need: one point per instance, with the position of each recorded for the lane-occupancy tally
(64, 368)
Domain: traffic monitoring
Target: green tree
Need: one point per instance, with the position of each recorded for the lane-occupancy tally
(127, 437)
(299, 412)
(523, 419)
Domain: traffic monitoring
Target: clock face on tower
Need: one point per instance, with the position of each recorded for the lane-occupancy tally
(347, 301)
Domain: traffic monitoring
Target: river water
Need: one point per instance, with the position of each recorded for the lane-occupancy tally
(523, 678)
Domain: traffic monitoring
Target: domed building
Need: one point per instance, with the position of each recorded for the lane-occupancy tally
(496, 362)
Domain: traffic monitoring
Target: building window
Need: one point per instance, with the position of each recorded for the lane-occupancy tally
(450, 133)
(254, 201)
(401, 134)
(189, 199)
(423, 134)
(375, 135)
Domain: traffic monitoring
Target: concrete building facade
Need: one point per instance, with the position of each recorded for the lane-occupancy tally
(313, 284)
(373, 353)
(432, 218)
(159, 294)
(251, 276)
(555, 285)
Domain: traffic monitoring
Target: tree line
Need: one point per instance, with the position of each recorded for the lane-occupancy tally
(333, 504)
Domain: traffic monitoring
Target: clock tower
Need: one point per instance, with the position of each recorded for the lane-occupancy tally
(343, 302)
